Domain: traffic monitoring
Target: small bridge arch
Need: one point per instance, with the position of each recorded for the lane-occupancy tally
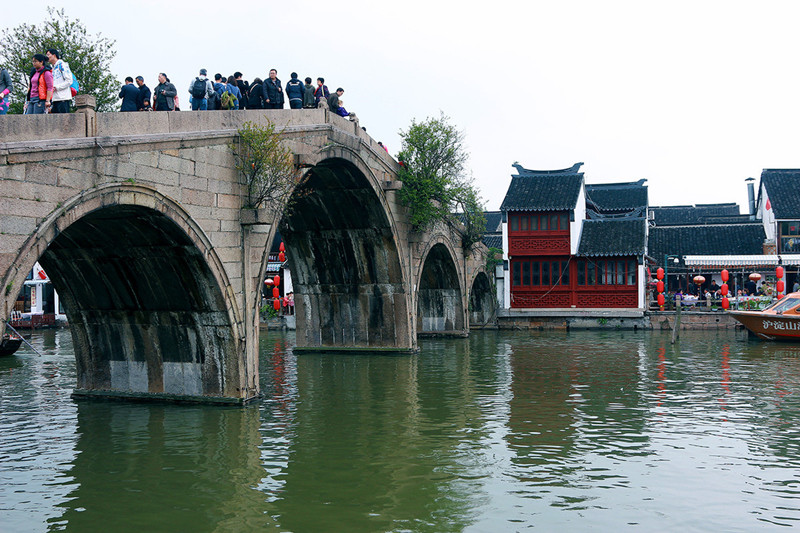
(440, 293)
(482, 302)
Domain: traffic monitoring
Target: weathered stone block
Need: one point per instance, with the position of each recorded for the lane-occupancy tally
(40, 173)
(196, 197)
(226, 238)
(174, 163)
(120, 169)
(157, 176)
(12, 172)
(193, 182)
(18, 225)
(229, 201)
(149, 159)
(75, 179)
(208, 225)
(116, 124)
(15, 206)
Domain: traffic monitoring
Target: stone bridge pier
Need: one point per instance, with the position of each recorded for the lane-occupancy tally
(139, 220)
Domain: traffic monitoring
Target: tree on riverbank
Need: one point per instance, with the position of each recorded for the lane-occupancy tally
(88, 56)
(435, 184)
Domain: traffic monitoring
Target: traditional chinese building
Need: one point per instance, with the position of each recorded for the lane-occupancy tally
(778, 207)
(569, 245)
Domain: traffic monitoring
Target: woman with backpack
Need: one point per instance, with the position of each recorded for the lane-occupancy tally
(234, 90)
(5, 90)
(40, 94)
(255, 99)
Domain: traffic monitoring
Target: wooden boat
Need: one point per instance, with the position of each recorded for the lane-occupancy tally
(779, 321)
(9, 344)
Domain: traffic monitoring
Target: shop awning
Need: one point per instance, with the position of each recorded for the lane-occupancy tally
(740, 261)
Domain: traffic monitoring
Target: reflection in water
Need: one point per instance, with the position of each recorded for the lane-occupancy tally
(499, 432)
(195, 468)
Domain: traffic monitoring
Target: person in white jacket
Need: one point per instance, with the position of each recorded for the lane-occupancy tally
(62, 81)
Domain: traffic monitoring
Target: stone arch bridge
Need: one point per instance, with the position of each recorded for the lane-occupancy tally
(139, 221)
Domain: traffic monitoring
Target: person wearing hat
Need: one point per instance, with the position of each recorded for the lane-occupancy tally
(201, 90)
(143, 102)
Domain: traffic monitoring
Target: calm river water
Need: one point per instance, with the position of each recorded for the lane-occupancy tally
(601, 431)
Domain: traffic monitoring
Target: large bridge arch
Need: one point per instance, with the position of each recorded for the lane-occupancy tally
(148, 301)
(440, 292)
(347, 261)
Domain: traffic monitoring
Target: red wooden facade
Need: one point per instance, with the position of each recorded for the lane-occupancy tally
(544, 274)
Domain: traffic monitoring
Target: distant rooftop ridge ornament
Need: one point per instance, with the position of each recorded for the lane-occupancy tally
(524, 172)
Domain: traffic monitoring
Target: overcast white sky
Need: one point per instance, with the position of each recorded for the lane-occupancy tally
(694, 96)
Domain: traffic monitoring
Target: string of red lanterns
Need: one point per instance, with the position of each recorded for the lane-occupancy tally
(660, 287)
(724, 290)
(276, 281)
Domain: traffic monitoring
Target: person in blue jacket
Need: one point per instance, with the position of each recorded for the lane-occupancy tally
(294, 92)
(129, 95)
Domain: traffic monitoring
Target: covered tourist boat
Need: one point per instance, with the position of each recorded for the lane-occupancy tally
(9, 344)
(779, 321)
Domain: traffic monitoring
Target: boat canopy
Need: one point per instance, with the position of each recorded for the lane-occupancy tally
(744, 261)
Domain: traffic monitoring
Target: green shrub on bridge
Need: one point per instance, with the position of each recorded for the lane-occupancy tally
(267, 165)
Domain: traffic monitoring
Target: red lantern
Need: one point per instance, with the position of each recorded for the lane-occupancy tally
(276, 304)
(724, 289)
(699, 280)
(725, 303)
(780, 285)
(779, 272)
(282, 247)
(660, 273)
(660, 286)
(781, 296)
(725, 276)
(661, 299)
(281, 257)
(267, 282)
(275, 292)
(276, 280)
(754, 276)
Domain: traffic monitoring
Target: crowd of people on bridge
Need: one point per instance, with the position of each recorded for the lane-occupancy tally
(52, 85)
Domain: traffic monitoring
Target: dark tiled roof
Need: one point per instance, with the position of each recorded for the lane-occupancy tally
(616, 197)
(493, 241)
(722, 239)
(732, 219)
(783, 190)
(543, 190)
(679, 215)
(493, 222)
(610, 237)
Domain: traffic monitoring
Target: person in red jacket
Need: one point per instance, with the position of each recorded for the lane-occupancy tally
(40, 94)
